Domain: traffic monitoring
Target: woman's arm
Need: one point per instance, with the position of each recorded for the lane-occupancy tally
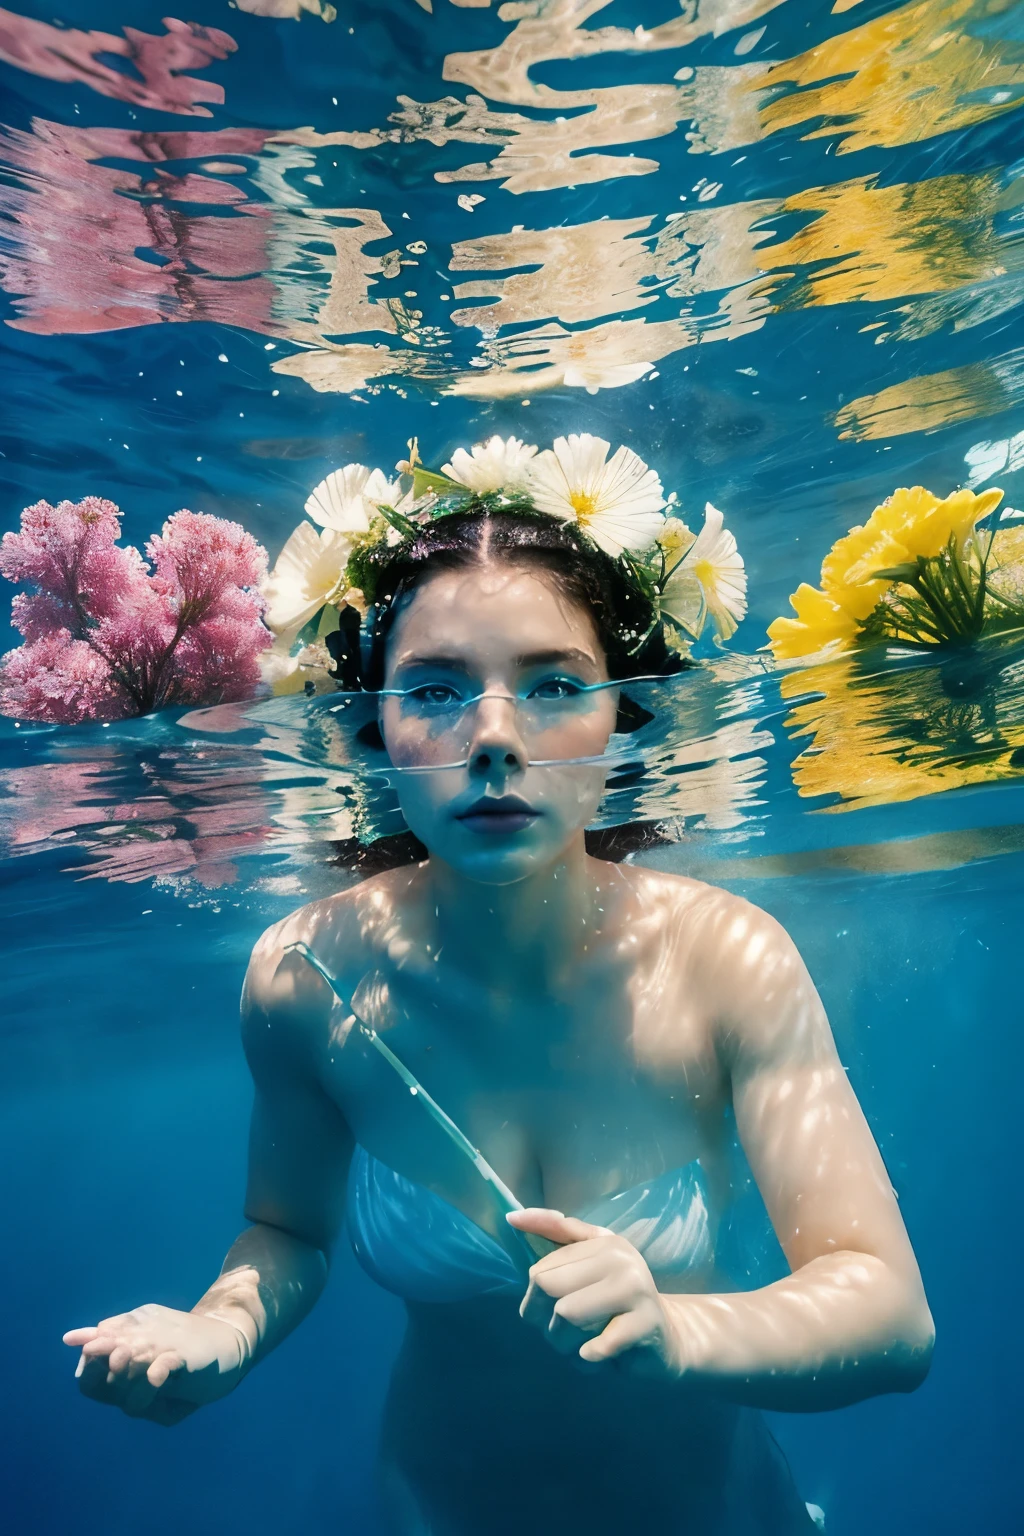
(851, 1320)
(159, 1363)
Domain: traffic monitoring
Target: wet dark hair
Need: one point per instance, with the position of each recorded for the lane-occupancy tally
(624, 616)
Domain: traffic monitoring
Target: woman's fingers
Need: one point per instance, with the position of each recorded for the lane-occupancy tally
(95, 1349)
(547, 1286)
(622, 1333)
(162, 1367)
(101, 1344)
(592, 1308)
(76, 1337)
(553, 1225)
(594, 1296)
(119, 1359)
(143, 1359)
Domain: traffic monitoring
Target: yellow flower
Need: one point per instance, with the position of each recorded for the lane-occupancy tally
(913, 522)
(853, 560)
(820, 621)
(928, 524)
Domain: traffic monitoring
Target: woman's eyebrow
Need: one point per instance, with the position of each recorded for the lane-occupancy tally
(438, 659)
(552, 658)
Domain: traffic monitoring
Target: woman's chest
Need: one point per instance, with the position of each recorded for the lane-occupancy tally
(569, 1098)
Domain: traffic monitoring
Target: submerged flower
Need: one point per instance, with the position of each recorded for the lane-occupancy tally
(500, 464)
(820, 622)
(709, 582)
(617, 502)
(348, 499)
(310, 571)
(286, 673)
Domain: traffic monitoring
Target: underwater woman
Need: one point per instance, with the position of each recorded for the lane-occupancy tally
(575, 1357)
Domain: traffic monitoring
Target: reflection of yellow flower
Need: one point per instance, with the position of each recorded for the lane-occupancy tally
(913, 524)
(878, 736)
(1006, 564)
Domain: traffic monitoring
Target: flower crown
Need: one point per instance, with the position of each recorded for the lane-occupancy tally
(617, 504)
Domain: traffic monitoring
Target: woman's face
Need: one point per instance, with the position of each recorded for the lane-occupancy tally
(493, 665)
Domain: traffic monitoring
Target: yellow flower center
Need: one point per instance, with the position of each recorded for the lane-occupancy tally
(704, 572)
(583, 504)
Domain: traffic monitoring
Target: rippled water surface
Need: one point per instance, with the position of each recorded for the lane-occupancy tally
(773, 245)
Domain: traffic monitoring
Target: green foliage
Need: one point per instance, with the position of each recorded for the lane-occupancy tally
(942, 600)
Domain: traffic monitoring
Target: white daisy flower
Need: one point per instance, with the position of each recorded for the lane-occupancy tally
(348, 499)
(309, 572)
(500, 464)
(616, 501)
(709, 582)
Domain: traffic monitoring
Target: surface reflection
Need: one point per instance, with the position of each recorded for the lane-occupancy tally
(892, 729)
(258, 226)
(153, 72)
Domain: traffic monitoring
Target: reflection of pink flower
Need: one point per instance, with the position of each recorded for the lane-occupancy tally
(93, 248)
(193, 823)
(156, 78)
(105, 638)
(80, 232)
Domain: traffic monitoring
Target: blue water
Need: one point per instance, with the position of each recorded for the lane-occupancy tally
(839, 315)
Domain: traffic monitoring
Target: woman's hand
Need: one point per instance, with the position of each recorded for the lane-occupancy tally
(595, 1297)
(159, 1364)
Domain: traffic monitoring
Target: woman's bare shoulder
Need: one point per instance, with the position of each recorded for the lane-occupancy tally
(683, 895)
(344, 930)
(743, 966)
(714, 930)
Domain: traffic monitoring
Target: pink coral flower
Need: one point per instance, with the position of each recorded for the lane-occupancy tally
(199, 559)
(106, 638)
(62, 680)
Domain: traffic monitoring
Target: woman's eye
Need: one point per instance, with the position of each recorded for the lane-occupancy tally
(555, 689)
(434, 695)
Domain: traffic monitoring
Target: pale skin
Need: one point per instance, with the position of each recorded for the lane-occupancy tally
(587, 1025)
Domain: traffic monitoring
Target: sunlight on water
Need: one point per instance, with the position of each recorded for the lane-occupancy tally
(774, 246)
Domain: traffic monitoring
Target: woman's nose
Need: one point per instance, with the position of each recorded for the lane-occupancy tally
(496, 747)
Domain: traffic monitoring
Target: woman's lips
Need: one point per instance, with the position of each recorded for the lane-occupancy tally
(505, 815)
